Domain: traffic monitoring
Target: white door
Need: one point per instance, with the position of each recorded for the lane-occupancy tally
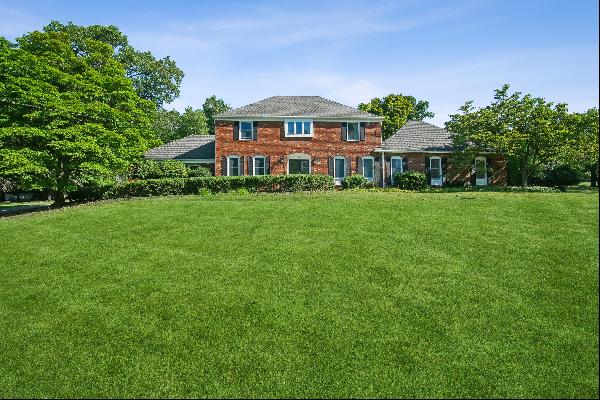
(480, 171)
(435, 170)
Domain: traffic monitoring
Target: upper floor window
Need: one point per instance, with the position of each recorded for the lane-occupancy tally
(298, 127)
(353, 131)
(246, 130)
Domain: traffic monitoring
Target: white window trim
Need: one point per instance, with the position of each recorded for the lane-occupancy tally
(228, 169)
(339, 182)
(484, 169)
(240, 130)
(441, 171)
(287, 134)
(354, 122)
(254, 164)
(299, 156)
(373, 165)
(392, 158)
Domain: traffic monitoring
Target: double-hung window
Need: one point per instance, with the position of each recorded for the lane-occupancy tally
(353, 132)
(368, 164)
(298, 128)
(246, 130)
(233, 166)
(260, 166)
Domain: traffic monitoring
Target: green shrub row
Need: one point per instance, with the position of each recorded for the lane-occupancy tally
(150, 169)
(411, 180)
(356, 181)
(213, 184)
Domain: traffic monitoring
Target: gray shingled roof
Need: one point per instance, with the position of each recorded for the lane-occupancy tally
(193, 147)
(297, 106)
(419, 136)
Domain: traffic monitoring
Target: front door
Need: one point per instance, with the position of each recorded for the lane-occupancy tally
(435, 170)
(480, 171)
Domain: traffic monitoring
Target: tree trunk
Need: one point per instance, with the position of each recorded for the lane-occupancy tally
(594, 176)
(524, 174)
(59, 198)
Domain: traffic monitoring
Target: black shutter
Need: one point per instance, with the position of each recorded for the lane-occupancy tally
(255, 130)
(268, 165)
(490, 171)
(224, 166)
(377, 172)
(359, 166)
(362, 131)
(250, 166)
(473, 177)
(236, 130)
(404, 164)
(387, 173)
(241, 165)
(348, 166)
(344, 131)
(444, 169)
(427, 171)
(331, 166)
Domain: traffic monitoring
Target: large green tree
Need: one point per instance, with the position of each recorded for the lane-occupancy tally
(213, 106)
(157, 80)
(171, 125)
(580, 149)
(527, 128)
(67, 117)
(397, 109)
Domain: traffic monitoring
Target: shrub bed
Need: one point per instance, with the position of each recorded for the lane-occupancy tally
(411, 180)
(356, 181)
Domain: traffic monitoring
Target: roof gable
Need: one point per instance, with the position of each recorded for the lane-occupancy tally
(281, 107)
(419, 136)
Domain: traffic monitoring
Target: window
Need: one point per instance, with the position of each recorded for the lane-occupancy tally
(339, 169)
(233, 166)
(353, 132)
(298, 127)
(246, 130)
(260, 165)
(368, 168)
(435, 171)
(395, 166)
(298, 164)
(480, 171)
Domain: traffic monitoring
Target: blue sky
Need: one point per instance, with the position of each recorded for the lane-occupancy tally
(441, 51)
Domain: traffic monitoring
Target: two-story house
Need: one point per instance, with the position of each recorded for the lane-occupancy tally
(314, 135)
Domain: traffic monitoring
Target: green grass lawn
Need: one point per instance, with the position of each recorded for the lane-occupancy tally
(328, 295)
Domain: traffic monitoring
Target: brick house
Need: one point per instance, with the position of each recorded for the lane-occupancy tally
(310, 134)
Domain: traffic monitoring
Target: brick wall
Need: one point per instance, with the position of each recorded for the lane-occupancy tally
(271, 141)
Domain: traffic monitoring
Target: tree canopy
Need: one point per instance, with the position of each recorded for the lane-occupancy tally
(397, 109)
(213, 106)
(157, 80)
(171, 125)
(67, 117)
(522, 126)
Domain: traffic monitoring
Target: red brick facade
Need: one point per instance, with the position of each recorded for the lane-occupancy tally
(271, 142)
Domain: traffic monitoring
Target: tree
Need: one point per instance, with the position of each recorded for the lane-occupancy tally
(524, 127)
(581, 148)
(157, 80)
(67, 118)
(397, 109)
(213, 106)
(171, 125)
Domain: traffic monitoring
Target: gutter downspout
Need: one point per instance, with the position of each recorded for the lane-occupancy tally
(382, 169)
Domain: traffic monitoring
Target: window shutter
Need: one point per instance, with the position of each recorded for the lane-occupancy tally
(224, 166)
(241, 165)
(330, 166)
(344, 131)
(404, 164)
(268, 165)
(388, 173)
(250, 165)
(377, 172)
(362, 131)
(490, 171)
(444, 169)
(255, 131)
(359, 166)
(348, 165)
(473, 177)
(427, 171)
(236, 130)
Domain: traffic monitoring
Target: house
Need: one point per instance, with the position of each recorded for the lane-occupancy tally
(314, 135)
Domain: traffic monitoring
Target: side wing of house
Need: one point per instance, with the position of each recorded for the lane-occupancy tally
(193, 150)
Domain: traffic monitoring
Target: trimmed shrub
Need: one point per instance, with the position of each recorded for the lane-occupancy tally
(194, 172)
(561, 176)
(91, 191)
(411, 180)
(150, 169)
(355, 181)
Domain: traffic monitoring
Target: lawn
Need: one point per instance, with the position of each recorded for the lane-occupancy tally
(327, 295)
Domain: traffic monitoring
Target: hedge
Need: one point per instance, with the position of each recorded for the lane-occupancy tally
(221, 184)
(411, 180)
